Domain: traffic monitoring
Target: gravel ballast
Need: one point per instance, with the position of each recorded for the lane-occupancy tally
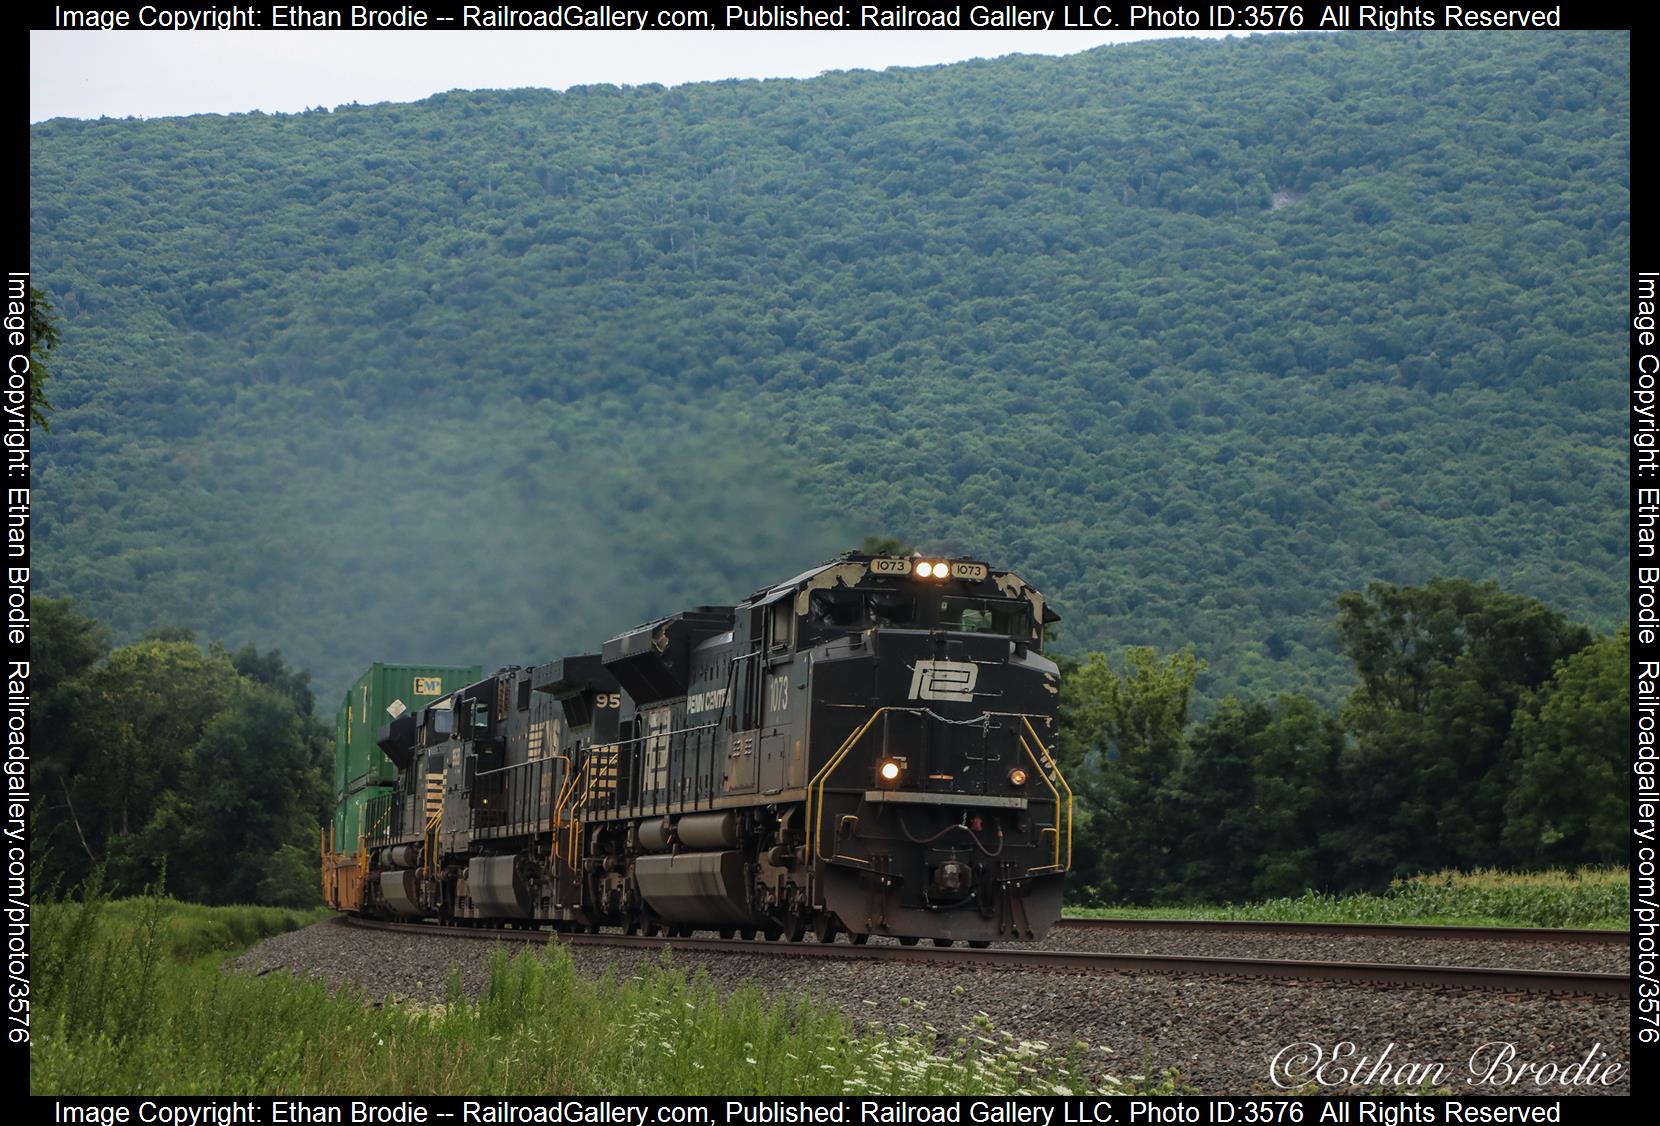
(1221, 1035)
(1583, 957)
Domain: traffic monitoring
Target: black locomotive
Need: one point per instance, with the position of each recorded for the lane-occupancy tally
(866, 747)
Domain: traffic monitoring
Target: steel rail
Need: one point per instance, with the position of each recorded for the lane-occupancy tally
(1072, 961)
(1359, 930)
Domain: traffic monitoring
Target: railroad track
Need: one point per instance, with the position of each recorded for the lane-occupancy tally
(1071, 961)
(1359, 930)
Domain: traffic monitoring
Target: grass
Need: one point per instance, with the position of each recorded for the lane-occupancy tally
(132, 998)
(1589, 897)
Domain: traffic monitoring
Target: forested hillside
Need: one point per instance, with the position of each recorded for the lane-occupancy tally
(1196, 335)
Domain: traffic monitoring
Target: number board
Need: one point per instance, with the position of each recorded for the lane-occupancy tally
(973, 572)
(889, 566)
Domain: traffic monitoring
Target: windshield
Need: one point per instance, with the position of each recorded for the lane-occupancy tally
(1011, 617)
(852, 609)
(846, 609)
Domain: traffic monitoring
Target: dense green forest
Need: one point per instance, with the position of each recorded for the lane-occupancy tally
(199, 769)
(1197, 335)
(1485, 730)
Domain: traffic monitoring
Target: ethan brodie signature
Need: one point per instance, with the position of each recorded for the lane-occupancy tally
(1497, 1063)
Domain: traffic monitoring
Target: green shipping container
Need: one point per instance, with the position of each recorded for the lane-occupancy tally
(348, 816)
(358, 762)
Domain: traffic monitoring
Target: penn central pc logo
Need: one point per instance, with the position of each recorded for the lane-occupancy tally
(944, 680)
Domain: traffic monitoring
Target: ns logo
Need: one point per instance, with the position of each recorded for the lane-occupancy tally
(944, 680)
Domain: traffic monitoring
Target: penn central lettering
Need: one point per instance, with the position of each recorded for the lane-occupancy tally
(705, 701)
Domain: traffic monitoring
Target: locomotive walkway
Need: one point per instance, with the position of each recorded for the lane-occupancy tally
(1095, 962)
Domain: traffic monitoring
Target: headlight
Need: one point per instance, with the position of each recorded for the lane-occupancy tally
(1017, 777)
(889, 771)
(925, 569)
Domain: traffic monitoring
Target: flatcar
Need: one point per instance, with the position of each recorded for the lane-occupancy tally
(866, 748)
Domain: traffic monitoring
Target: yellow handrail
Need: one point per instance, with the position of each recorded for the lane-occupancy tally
(814, 837)
(1052, 769)
(1041, 759)
(572, 776)
(430, 864)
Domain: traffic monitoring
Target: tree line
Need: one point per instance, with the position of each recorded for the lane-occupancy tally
(200, 768)
(1484, 729)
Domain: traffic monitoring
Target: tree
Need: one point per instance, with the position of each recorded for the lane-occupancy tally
(146, 707)
(269, 669)
(1254, 800)
(1570, 805)
(64, 646)
(208, 767)
(250, 790)
(1121, 730)
(885, 545)
(43, 337)
(1442, 669)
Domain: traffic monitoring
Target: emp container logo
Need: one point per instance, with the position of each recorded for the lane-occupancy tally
(944, 680)
(429, 686)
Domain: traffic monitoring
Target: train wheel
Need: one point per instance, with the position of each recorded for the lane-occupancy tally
(979, 943)
(727, 932)
(825, 928)
(747, 933)
(773, 934)
(908, 940)
(633, 926)
(795, 929)
(858, 938)
(653, 929)
(942, 942)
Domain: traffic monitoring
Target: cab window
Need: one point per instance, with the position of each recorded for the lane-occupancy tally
(1010, 617)
(842, 608)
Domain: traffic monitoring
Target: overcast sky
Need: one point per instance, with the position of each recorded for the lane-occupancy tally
(159, 74)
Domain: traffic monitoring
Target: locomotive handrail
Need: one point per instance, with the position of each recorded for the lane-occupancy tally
(555, 821)
(814, 837)
(1044, 774)
(430, 860)
(635, 797)
(1047, 769)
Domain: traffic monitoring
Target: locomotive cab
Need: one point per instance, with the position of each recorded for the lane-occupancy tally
(934, 808)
